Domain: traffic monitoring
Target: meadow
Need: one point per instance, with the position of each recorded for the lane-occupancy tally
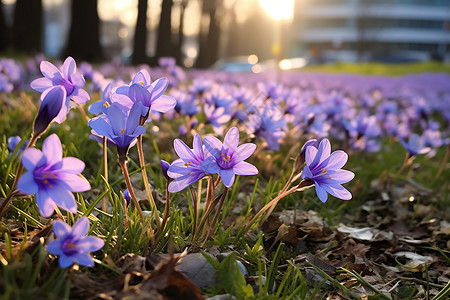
(204, 184)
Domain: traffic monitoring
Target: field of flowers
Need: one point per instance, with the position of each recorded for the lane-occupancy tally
(159, 183)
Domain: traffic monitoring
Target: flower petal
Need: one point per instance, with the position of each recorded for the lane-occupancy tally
(80, 228)
(27, 184)
(210, 165)
(321, 193)
(55, 247)
(69, 67)
(62, 197)
(65, 261)
(183, 151)
(52, 149)
(198, 147)
(45, 203)
(338, 191)
(323, 152)
(182, 182)
(159, 87)
(336, 160)
(61, 229)
(83, 259)
(244, 151)
(213, 145)
(72, 165)
(310, 154)
(90, 243)
(341, 176)
(163, 104)
(41, 84)
(74, 182)
(231, 139)
(31, 158)
(227, 176)
(244, 168)
(49, 70)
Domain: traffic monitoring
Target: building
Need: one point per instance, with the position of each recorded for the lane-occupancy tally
(372, 30)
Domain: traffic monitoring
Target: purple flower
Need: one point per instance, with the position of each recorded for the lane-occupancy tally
(164, 168)
(186, 170)
(127, 196)
(52, 102)
(141, 89)
(73, 246)
(52, 177)
(13, 141)
(120, 129)
(228, 158)
(102, 105)
(415, 145)
(325, 171)
(70, 79)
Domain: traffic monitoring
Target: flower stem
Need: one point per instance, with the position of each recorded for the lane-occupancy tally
(155, 212)
(209, 232)
(105, 169)
(13, 189)
(194, 204)
(83, 113)
(123, 165)
(444, 162)
(408, 161)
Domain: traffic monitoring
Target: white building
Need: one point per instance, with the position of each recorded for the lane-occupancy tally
(385, 30)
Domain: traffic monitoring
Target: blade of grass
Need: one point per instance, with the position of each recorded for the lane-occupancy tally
(364, 282)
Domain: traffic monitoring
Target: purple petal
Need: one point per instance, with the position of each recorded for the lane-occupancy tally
(45, 203)
(84, 259)
(139, 94)
(27, 184)
(210, 165)
(306, 173)
(114, 113)
(74, 182)
(65, 261)
(122, 99)
(198, 146)
(41, 84)
(61, 229)
(181, 183)
(101, 127)
(336, 160)
(244, 168)
(62, 197)
(338, 191)
(69, 67)
(163, 104)
(159, 87)
(55, 247)
(310, 154)
(141, 77)
(80, 228)
(90, 244)
(52, 149)
(213, 145)
(231, 139)
(244, 151)
(80, 97)
(77, 80)
(49, 70)
(323, 152)
(183, 151)
(341, 176)
(31, 158)
(321, 193)
(72, 165)
(227, 177)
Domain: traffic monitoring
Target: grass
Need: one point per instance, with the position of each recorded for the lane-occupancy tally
(394, 69)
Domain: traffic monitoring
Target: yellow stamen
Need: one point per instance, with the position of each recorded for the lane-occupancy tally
(329, 177)
(71, 246)
(141, 82)
(45, 175)
(122, 131)
(222, 154)
(189, 162)
(45, 181)
(224, 159)
(106, 104)
(52, 175)
(189, 173)
(228, 157)
(324, 171)
(51, 186)
(186, 165)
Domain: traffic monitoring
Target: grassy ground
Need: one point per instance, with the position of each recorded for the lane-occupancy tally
(382, 69)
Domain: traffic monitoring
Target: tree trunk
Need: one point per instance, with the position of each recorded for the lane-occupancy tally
(209, 44)
(164, 45)
(3, 30)
(140, 34)
(179, 49)
(27, 26)
(84, 36)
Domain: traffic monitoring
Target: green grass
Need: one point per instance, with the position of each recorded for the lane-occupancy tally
(395, 69)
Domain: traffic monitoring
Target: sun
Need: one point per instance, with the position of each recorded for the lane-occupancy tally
(278, 9)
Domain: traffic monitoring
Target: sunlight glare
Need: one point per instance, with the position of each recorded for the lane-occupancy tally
(278, 9)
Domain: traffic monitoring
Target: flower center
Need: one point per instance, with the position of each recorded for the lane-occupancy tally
(106, 104)
(47, 179)
(68, 246)
(224, 161)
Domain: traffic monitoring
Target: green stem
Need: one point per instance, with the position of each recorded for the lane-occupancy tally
(209, 232)
(146, 184)
(105, 169)
(123, 165)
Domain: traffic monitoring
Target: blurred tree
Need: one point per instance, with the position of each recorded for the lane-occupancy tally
(164, 45)
(140, 34)
(27, 26)
(209, 40)
(3, 29)
(84, 35)
(179, 48)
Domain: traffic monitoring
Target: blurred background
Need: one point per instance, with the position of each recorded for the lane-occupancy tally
(229, 34)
